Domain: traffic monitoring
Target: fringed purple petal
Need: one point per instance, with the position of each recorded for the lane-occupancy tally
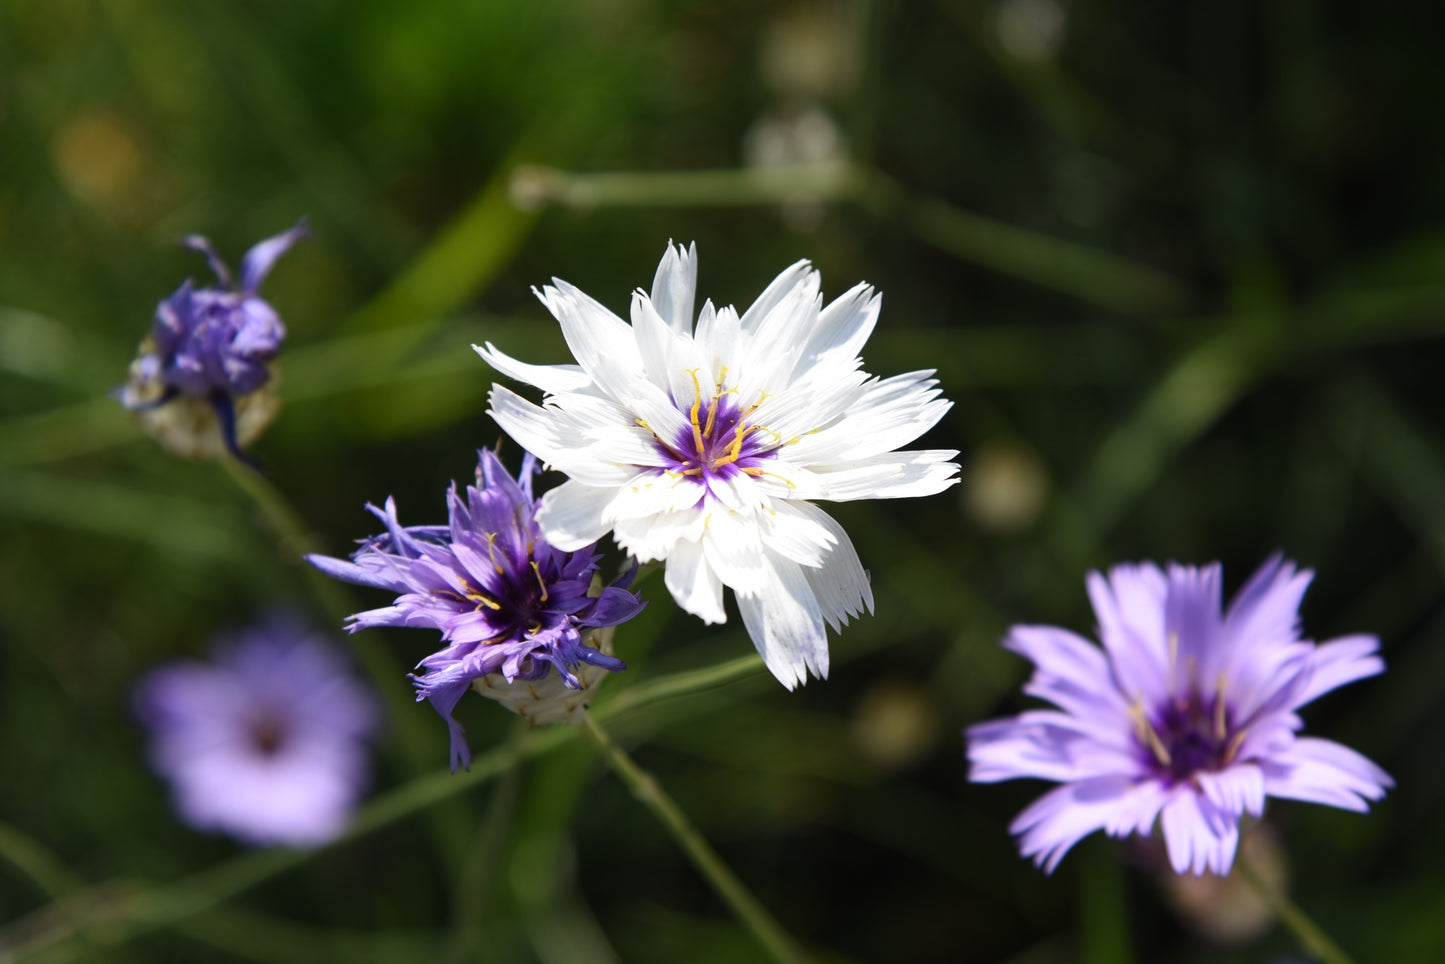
(262, 257)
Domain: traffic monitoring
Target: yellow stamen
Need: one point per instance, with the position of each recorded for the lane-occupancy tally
(755, 472)
(692, 416)
(540, 581)
(1235, 742)
(1220, 723)
(492, 553)
(1146, 733)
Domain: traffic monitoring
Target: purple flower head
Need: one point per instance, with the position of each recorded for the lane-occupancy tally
(1187, 715)
(213, 345)
(265, 742)
(505, 600)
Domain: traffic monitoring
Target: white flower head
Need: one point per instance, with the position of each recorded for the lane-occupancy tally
(703, 446)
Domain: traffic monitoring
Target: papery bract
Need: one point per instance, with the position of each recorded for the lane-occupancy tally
(202, 369)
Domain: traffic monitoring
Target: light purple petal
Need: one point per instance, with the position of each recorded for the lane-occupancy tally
(1052, 824)
(264, 254)
(1129, 605)
(1199, 836)
(1338, 662)
(1323, 771)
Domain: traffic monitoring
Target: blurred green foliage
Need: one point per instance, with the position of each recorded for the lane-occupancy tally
(1180, 266)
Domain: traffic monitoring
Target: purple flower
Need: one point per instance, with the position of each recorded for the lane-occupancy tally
(212, 345)
(1187, 715)
(267, 741)
(505, 600)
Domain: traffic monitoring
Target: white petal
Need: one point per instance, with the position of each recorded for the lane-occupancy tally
(841, 583)
(791, 276)
(734, 549)
(553, 379)
(843, 328)
(550, 436)
(897, 475)
(602, 343)
(693, 584)
(883, 416)
(655, 537)
(795, 534)
(786, 625)
(717, 339)
(674, 287)
(652, 492)
(571, 515)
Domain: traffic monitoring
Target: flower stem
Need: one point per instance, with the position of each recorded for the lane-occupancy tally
(1314, 940)
(732, 890)
(298, 541)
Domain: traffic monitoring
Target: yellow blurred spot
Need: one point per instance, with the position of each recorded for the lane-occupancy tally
(99, 159)
(895, 724)
(1004, 487)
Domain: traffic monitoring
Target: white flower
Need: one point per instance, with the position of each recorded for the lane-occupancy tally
(703, 446)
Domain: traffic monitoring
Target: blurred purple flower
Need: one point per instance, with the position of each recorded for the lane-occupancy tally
(267, 741)
(213, 345)
(1186, 715)
(505, 600)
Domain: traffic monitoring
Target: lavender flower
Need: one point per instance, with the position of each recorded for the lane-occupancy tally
(506, 601)
(210, 352)
(1186, 715)
(267, 741)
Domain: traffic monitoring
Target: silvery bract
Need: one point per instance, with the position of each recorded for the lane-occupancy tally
(704, 445)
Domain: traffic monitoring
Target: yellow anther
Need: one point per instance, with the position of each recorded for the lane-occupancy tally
(755, 472)
(1146, 733)
(1233, 747)
(540, 581)
(492, 553)
(1221, 728)
(697, 433)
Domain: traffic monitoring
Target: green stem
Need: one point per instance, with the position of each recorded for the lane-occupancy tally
(298, 542)
(130, 911)
(1090, 274)
(732, 890)
(1314, 940)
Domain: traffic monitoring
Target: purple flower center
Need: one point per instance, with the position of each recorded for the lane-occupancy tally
(1188, 735)
(719, 442)
(268, 734)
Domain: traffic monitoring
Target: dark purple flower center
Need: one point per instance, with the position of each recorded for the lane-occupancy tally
(1188, 735)
(719, 441)
(268, 734)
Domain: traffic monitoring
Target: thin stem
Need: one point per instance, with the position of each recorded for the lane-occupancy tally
(1090, 274)
(133, 910)
(1314, 940)
(732, 890)
(298, 542)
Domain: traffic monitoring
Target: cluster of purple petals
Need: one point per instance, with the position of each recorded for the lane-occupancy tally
(217, 343)
(266, 741)
(1187, 716)
(504, 599)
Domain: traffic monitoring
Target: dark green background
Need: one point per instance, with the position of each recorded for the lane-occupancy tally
(1186, 271)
